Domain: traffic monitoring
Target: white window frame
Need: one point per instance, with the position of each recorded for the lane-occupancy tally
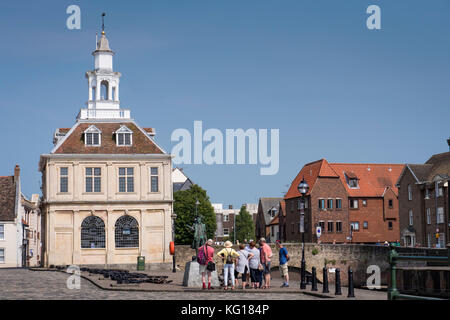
(126, 176)
(227, 234)
(353, 201)
(92, 130)
(61, 176)
(409, 192)
(428, 216)
(2, 233)
(226, 218)
(411, 217)
(440, 214)
(157, 177)
(93, 177)
(4, 255)
(340, 202)
(123, 130)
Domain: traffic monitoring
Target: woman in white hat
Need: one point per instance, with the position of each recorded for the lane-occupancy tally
(228, 255)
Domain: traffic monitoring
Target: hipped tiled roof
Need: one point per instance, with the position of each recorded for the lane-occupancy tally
(74, 143)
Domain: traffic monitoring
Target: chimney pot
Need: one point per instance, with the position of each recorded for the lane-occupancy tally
(16, 173)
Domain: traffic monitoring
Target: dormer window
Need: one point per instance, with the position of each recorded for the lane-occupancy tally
(124, 136)
(352, 180)
(92, 136)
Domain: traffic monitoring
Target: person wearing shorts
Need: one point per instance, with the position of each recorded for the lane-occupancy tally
(266, 255)
(284, 258)
(242, 266)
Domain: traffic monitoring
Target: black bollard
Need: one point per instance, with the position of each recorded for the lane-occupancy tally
(325, 280)
(351, 289)
(314, 280)
(338, 291)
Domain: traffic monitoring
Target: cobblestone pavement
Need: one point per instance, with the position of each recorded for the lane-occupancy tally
(23, 284)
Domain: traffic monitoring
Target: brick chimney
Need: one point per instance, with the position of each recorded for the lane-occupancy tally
(16, 173)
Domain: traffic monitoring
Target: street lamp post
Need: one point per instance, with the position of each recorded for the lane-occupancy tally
(174, 216)
(303, 189)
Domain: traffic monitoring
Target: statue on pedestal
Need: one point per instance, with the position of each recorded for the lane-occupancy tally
(199, 235)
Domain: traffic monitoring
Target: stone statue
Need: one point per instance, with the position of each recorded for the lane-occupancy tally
(199, 234)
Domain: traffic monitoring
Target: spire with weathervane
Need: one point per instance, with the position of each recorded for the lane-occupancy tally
(103, 84)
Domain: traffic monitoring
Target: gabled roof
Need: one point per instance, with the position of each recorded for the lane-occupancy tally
(441, 165)
(7, 198)
(266, 204)
(73, 143)
(438, 164)
(373, 178)
(310, 172)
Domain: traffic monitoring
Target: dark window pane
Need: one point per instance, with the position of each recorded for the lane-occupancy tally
(64, 184)
(122, 171)
(92, 233)
(97, 184)
(130, 171)
(97, 171)
(130, 184)
(127, 232)
(155, 184)
(88, 184)
(88, 171)
(122, 187)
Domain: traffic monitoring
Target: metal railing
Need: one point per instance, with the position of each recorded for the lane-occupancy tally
(393, 293)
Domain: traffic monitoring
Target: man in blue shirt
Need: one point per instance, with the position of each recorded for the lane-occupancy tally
(284, 258)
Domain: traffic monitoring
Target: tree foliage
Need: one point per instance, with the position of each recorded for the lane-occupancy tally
(184, 208)
(245, 228)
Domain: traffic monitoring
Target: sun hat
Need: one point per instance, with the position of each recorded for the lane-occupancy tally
(228, 244)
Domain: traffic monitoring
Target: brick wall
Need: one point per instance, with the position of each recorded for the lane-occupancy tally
(416, 204)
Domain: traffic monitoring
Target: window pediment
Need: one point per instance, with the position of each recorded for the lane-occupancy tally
(92, 136)
(124, 136)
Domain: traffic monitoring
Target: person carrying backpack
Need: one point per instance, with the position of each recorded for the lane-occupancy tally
(228, 255)
(206, 264)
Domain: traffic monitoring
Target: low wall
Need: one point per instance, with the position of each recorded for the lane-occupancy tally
(358, 257)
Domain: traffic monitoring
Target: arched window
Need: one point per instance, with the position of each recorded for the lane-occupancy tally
(92, 233)
(127, 232)
(104, 90)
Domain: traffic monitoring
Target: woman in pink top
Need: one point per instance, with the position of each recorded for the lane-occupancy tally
(209, 254)
(266, 255)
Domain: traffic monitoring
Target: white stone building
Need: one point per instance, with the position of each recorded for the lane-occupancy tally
(107, 190)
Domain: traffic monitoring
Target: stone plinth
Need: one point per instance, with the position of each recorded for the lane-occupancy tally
(193, 278)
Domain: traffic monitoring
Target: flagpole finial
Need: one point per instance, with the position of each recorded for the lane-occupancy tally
(103, 23)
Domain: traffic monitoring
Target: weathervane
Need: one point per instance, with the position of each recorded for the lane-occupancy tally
(103, 22)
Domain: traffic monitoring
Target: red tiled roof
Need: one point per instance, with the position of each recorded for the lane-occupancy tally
(373, 179)
(310, 172)
(64, 130)
(371, 183)
(74, 143)
(275, 220)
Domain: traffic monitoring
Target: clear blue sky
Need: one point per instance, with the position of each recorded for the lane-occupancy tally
(335, 89)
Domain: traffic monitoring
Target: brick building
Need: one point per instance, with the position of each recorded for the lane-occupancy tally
(424, 202)
(268, 208)
(351, 202)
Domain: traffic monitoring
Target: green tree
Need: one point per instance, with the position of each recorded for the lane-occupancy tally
(245, 228)
(184, 208)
